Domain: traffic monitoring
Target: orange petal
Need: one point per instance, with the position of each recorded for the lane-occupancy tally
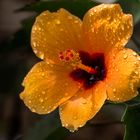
(106, 26)
(55, 32)
(82, 107)
(123, 76)
(46, 87)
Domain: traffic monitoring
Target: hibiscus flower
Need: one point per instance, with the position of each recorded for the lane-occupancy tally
(84, 63)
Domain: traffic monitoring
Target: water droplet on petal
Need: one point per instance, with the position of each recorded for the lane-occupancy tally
(75, 117)
(92, 29)
(66, 124)
(139, 58)
(30, 101)
(43, 107)
(58, 22)
(84, 102)
(134, 53)
(43, 92)
(118, 99)
(136, 72)
(34, 44)
(114, 90)
(125, 56)
(33, 110)
(43, 74)
(41, 100)
(123, 28)
(42, 55)
(135, 62)
(71, 128)
(35, 51)
(76, 21)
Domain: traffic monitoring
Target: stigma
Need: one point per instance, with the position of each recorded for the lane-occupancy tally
(72, 58)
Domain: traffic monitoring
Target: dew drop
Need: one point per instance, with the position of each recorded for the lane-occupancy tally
(134, 54)
(35, 51)
(43, 92)
(92, 29)
(30, 101)
(114, 90)
(42, 55)
(135, 62)
(48, 111)
(48, 23)
(39, 29)
(84, 102)
(71, 130)
(33, 110)
(118, 99)
(41, 100)
(34, 44)
(94, 11)
(58, 22)
(66, 124)
(43, 74)
(123, 28)
(75, 117)
(125, 56)
(63, 125)
(76, 21)
(136, 72)
(35, 28)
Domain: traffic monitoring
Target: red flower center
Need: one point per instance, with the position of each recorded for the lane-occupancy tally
(95, 61)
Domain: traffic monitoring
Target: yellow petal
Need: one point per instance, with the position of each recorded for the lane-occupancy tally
(82, 107)
(123, 76)
(47, 86)
(55, 32)
(106, 26)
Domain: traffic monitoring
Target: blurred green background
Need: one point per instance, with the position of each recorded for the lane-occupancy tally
(17, 58)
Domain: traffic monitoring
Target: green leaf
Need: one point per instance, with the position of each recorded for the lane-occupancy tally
(131, 119)
(132, 7)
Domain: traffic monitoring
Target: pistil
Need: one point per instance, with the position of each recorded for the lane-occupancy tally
(71, 57)
(86, 68)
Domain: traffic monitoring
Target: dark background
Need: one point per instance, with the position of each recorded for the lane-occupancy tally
(16, 120)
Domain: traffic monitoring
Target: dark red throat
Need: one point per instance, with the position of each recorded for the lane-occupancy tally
(96, 61)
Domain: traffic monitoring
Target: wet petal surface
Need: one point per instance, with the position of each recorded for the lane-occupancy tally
(46, 87)
(82, 107)
(123, 76)
(55, 32)
(106, 26)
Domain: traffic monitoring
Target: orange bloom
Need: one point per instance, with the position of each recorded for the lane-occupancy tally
(84, 63)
